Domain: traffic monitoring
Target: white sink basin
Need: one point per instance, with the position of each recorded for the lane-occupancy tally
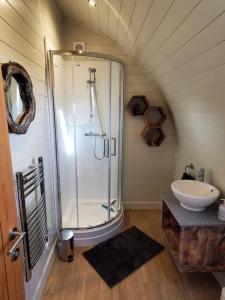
(194, 195)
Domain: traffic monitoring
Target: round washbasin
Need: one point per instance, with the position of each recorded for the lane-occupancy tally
(194, 195)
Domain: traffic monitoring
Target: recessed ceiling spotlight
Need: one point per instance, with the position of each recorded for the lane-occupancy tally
(92, 3)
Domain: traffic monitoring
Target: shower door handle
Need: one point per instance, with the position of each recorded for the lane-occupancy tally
(106, 147)
(114, 147)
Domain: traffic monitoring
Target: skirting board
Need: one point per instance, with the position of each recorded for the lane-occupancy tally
(40, 286)
(142, 205)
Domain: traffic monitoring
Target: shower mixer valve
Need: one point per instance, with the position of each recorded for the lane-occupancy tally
(94, 112)
(94, 134)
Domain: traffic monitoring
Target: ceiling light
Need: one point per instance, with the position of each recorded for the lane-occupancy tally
(92, 3)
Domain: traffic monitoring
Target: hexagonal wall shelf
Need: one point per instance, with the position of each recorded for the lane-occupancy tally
(137, 106)
(155, 116)
(153, 136)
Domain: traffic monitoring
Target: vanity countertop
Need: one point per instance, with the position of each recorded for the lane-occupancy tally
(187, 218)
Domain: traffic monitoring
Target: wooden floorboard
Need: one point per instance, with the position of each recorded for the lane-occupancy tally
(158, 279)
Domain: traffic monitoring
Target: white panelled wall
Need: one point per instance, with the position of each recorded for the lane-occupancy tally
(147, 171)
(23, 26)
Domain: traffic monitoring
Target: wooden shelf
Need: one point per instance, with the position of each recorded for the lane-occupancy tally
(194, 248)
(153, 136)
(137, 106)
(155, 116)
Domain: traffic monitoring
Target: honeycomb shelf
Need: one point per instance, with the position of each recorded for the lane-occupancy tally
(155, 116)
(153, 136)
(137, 106)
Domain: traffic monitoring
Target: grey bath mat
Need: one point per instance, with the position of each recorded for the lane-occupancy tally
(119, 256)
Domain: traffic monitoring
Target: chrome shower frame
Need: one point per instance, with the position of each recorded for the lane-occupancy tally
(51, 93)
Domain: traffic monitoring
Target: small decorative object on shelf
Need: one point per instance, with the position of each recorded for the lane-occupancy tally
(155, 116)
(137, 106)
(153, 136)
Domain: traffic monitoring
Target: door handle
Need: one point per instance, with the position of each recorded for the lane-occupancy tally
(106, 147)
(14, 251)
(114, 147)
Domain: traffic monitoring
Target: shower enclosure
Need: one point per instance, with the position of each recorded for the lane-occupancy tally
(87, 92)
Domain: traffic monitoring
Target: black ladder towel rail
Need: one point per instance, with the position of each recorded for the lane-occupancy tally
(33, 217)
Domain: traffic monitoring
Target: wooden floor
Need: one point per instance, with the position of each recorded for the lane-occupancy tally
(158, 279)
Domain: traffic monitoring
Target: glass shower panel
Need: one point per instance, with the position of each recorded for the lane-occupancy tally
(65, 132)
(91, 80)
(116, 94)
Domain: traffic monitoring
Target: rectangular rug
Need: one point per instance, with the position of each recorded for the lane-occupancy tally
(122, 254)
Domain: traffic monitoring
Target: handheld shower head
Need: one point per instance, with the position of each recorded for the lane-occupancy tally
(92, 75)
(92, 70)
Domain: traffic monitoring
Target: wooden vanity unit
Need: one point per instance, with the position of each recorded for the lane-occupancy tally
(196, 239)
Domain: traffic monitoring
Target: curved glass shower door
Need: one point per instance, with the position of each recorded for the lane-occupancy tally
(88, 116)
(92, 132)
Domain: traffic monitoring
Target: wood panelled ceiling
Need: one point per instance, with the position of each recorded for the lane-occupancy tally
(129, 23)
(150, 30)
(161, 34)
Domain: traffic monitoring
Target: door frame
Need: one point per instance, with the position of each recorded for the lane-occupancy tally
(8, 210)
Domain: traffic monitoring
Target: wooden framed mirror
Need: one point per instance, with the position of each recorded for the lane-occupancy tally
(19, 97)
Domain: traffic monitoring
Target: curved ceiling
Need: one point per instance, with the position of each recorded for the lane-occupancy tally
(161, 34)
(181, 44)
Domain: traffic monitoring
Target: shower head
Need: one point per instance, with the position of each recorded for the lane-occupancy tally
(92, 70)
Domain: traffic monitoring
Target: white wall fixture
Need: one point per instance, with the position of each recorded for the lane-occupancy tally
(79, 47)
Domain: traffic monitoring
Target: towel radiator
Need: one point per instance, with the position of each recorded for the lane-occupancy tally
(32, 209)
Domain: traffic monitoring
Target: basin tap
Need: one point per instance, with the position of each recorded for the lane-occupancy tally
(201, 174)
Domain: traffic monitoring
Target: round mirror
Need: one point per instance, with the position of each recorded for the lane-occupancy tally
(14, 102)
(20, 102)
